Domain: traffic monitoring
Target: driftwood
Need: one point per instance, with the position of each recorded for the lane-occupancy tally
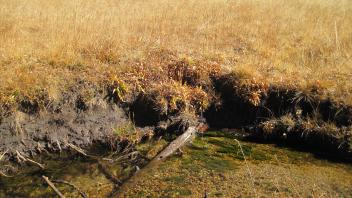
(83, 194)
(53, 186)
(22, 158)
(176, 144)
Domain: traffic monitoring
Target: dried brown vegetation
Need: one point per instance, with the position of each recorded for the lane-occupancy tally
(239, 62)
(49, 46)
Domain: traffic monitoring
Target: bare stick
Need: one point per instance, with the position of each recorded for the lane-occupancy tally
(53, 186)
(58, 145)
(83, 194)
(248, 169)
(169, 150)
(288, 178)
(36, 163)
(176, 144)
(29, 160)
(79, 150)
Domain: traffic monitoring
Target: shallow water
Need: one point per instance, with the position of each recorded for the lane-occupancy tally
(214, 164)
(81, 172)
(218, 166)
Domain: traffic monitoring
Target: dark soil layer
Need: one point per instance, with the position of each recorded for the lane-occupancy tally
(73, 120)
(86, 114)
(317, 124)
(235, 110)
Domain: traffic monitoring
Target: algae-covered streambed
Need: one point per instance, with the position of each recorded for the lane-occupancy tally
(214, 164)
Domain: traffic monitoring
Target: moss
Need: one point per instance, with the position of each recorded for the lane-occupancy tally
(175, 179)
(260, 155)
(228, 135)
(219, 194)
(151, 148)
(171, 192)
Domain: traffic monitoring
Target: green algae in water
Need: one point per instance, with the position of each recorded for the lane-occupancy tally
(171, 192)
(83, 173)
(175, 179)
(214, 163)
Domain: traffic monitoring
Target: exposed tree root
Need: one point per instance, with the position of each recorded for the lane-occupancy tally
(102, 167)
(58, 145)
(22, 158)
(79, 150)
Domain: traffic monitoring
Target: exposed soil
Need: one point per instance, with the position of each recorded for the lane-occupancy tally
(72, 120)
(236, 107)
(86, 114)
(314, 123)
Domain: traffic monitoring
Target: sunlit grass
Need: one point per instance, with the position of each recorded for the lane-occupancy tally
(50, 44)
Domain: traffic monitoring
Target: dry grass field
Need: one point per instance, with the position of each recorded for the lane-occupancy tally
(77, 75)
(50, 45)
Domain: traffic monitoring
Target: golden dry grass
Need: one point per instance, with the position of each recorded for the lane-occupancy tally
(49, 44)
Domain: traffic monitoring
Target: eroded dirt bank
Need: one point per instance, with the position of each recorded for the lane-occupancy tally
(282, 115)
(70, 121)
(115, 118)
(88, 114)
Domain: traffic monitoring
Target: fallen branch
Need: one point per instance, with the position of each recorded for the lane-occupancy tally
(53, 186)
(176, 144)
(83, 194)
(169, 150)
(22, 158)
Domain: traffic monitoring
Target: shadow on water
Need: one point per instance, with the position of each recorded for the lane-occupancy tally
(84, 173)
